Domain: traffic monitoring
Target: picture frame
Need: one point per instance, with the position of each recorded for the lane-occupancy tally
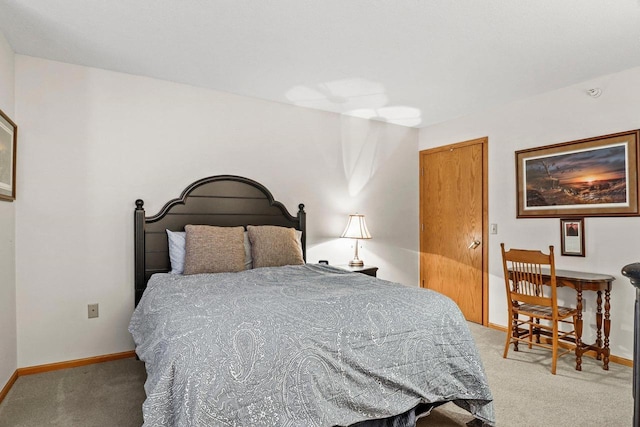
(589, 177)
(572, 236)
(8, 149)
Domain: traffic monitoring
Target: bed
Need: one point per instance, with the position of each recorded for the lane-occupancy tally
(288, 344)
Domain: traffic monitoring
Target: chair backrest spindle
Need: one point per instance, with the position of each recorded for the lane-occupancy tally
(525, 272)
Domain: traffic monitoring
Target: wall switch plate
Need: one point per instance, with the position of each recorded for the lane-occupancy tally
(493, 228)
(93, 310)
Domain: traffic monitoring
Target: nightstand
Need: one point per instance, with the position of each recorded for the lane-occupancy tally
(369, 270)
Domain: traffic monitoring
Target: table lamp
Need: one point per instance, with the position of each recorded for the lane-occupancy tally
(356, 229)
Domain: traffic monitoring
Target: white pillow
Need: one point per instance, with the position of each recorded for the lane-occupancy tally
(177, 243)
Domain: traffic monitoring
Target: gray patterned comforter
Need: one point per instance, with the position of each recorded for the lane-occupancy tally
(299, 346)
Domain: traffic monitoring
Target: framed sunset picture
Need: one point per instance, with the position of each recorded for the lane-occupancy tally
(590, 177)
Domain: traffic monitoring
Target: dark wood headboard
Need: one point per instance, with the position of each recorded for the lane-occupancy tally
(222, 200)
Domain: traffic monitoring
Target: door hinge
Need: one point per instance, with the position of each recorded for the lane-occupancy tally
(421, 171)
(421, 227)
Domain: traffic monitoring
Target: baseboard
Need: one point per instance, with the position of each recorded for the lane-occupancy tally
(74, 363)
(62, 365)
(612, 358)
(7, 387)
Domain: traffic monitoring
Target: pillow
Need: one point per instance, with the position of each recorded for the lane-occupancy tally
(248, 261)
(210, 249)
(273, 246)
(176, 250)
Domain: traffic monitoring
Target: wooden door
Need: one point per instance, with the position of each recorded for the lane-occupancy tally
(453, 216)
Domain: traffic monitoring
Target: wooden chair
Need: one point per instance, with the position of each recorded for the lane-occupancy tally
(532, 302)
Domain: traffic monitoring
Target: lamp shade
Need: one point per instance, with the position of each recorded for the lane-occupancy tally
(356, 228)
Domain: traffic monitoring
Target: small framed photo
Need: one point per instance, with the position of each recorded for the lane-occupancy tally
(572, 236)
(8, 141)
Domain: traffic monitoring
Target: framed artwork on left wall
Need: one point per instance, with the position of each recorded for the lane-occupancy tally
(8, 146)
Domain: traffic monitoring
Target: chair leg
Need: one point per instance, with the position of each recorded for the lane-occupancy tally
(506, 345)
(530, 333)
(515, 331)
(555, 348)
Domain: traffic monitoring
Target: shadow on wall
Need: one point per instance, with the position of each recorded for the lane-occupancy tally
(361, 149)
(366, 144)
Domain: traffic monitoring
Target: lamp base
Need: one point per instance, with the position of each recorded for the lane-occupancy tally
(356, 263)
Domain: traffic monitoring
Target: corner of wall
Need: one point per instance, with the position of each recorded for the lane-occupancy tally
(8, 320)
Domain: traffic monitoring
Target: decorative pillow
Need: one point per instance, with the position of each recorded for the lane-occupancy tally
(211, 249)
(273, 246)
(248, 261)
(176, 251)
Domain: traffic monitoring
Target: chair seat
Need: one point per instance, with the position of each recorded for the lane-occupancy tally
(546, 312)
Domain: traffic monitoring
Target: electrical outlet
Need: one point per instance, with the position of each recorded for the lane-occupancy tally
(493, 228)
(93, 310)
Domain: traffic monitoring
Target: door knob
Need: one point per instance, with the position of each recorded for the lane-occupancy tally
(474, 244)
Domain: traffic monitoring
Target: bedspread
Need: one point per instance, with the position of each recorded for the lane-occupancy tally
(306, 345)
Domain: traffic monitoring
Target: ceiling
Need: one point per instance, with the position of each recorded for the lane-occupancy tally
(410, 62)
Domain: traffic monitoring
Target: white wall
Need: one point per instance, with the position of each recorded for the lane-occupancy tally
(8, 343)
(93, 141)
(564, 115)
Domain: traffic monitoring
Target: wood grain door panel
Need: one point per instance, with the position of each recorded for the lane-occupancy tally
(453, 217)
